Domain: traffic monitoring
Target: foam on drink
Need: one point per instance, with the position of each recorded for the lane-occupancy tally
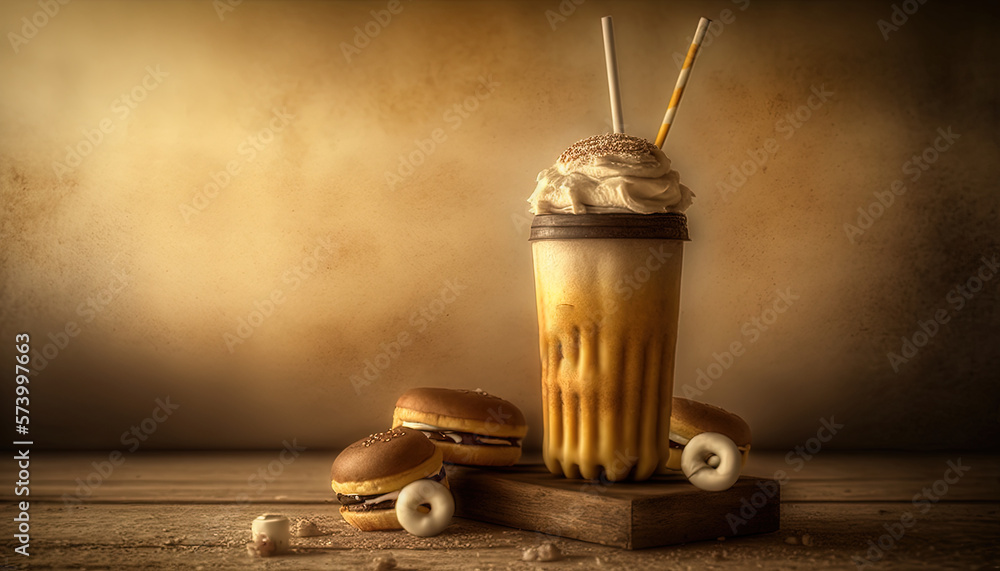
(610, 173)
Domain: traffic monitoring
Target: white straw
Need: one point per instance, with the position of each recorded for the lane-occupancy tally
(612, 62)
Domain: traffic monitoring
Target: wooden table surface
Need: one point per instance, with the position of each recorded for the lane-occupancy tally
(193, 511)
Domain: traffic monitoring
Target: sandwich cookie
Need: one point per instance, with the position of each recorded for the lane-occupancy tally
(709, 444)
(469, 427)
(369, 476)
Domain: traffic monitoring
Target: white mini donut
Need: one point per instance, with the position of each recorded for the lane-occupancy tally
(711, 462)
(424, 492)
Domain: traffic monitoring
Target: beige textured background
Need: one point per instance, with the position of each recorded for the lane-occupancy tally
(461, 215)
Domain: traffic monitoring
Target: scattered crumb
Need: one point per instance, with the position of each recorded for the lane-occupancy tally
(547, 551)
(174, 541)
(721, 538)
(807, 539)
(261, 546)
(305, 528)
(792, 540)
(384, 563)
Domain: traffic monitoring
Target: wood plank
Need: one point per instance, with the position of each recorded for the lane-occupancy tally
(662, 511)
(260, 477)
(117, 536)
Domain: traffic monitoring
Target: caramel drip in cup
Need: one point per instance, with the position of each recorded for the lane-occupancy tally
(607, 319)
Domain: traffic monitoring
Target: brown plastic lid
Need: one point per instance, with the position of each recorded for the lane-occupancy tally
(665, 226)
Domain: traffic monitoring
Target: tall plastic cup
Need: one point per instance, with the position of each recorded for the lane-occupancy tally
(607, 288)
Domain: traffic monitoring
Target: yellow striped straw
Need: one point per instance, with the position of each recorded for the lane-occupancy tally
(682, 80)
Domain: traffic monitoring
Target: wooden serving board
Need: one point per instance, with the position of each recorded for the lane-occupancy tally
(666, 510)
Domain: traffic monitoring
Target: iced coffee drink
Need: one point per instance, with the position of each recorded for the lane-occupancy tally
(607, 243)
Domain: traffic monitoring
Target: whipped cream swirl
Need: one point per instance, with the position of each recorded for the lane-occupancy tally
(610, 173)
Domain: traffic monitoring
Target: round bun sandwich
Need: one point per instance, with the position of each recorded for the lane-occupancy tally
(368, 475)
(469, 427)
(690, 418)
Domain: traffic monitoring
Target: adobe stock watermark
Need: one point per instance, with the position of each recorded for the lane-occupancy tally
(752, 330)
(264, 308)
(45, 352)
(246, 150)
(454, 116)
(630, 283)
(31, 25)
(365, 33)
(121, 108)
(715, 29)
(521, 223)
(956, 299)
(224, 7)
(796, 459)
(133, 438)
(562, 12)
(259, 481)
(922, 501)
(421, 319)
(915, 166)
(787, 126)
(899, 15)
